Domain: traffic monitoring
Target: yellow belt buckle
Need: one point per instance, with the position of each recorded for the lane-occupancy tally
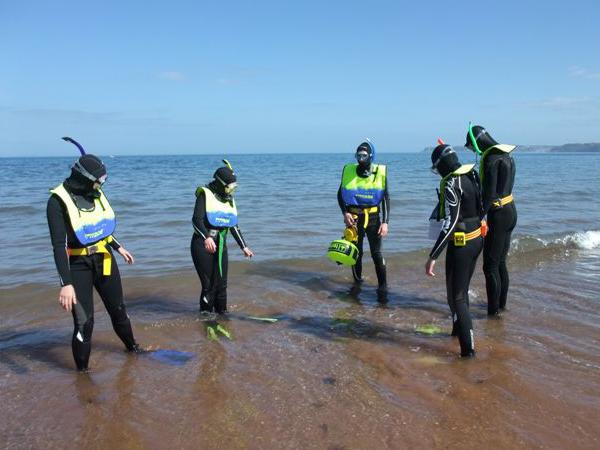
(460, 239)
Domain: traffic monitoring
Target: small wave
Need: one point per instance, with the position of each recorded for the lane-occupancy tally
(586, 240)
(581, 240)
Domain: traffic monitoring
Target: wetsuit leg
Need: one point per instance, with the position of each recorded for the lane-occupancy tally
(375, 246)
(110, 290)
(504, 279)
(357, 268)
(206, 265)
(221, 284)
(83, 311)
(497, 243)
(460, 264)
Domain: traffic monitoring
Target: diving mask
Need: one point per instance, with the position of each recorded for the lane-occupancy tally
(362, 156)
(230, 188)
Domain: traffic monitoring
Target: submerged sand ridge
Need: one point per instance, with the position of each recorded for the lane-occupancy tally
(336, 371)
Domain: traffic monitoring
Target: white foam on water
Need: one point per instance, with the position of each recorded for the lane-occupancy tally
(586, 240)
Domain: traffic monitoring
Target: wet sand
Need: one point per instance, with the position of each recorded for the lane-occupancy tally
(336, 371)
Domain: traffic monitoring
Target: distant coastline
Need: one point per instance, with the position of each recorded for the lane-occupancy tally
(592, 147)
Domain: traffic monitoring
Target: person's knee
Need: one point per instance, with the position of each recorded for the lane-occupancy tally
(118, 313)
(490, 265)
(83, 331)
(378, 258)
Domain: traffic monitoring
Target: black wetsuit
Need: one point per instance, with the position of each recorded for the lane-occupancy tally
(498, 181)
(212, 277)
(85, 274)
(462, 213)
(375, 220)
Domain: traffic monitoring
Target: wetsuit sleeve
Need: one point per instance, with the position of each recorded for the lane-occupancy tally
(239, 238)
(341, 201)
(116, 245)
(385, 204)
(198, 217)
(452, 213)
(58, 236)
(489, 188)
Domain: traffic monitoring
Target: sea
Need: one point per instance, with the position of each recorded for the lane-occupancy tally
(332, 368)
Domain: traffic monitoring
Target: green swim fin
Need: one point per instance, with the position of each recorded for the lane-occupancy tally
(211, 334)
(263, 319)
(428, 329)
(223, 331)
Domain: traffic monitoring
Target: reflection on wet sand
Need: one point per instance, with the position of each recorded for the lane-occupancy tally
(336, 370)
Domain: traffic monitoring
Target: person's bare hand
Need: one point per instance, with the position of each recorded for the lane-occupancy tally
(349, 220)
(383, 230)
(66, 297)
(429, 267)
(209, 245)
(128, 257)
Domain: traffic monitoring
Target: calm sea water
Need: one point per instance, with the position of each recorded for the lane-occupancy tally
(287, 204)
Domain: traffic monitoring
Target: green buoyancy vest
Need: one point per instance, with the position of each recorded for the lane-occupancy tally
(92, 225)
(363, 191)
(462, 170)
(506, 148)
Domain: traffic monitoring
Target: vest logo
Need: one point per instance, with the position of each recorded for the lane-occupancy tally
(368, 196)
(222, 220)
(94, 234)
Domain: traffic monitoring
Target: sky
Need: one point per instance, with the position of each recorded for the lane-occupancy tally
(177, 77)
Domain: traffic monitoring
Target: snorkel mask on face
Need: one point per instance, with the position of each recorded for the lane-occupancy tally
(230, 188)
(89, 166)
(362, 157)
(226, 177)
(365, 153)
(447, 150)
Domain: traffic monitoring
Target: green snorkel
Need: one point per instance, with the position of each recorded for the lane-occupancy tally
(474, 140)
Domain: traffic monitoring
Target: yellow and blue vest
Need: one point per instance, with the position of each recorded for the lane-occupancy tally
(219, 214)
(367, 191)
(89, 226)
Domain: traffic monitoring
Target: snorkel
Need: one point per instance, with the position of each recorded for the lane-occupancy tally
(373, 150)
(75, 143)
(79, 165)
(474, 140)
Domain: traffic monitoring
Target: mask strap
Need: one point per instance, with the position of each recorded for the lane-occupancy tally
(79, 168)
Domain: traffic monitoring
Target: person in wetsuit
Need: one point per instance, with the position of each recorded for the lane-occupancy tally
(81, 223)
(365, 203)
(215, 214)
(497, 171)
(460, 211)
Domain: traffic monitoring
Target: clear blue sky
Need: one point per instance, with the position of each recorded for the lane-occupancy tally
(207, 77)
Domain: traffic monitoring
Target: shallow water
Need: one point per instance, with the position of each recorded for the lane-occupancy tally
(337, 370)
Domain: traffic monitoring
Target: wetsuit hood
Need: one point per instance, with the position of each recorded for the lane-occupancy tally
(224, 177)
(478, 139)
(444, 160)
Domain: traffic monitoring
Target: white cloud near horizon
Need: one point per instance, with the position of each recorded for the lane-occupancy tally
(584, 72)
(171, 75)
(570, 103)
